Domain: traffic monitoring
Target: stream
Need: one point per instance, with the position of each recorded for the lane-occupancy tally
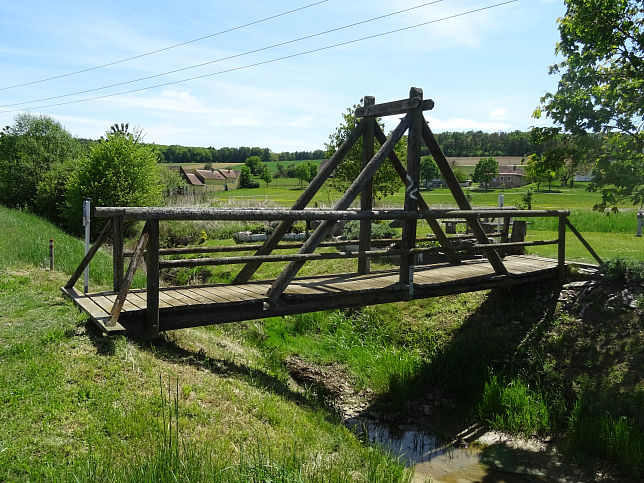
(496, 460)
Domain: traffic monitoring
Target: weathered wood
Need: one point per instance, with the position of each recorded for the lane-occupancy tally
(403, 106)
(152, 286)
(366, 195)
(460, 198)
(323, 230)
(88, 257)
(505, 233)
(314, 186)
(129, 277)
(183, 213)
(433, 224)
(411, 192)
(118, 237)
(561, 251)
(584, 242)
(284, 246)
(518, 235)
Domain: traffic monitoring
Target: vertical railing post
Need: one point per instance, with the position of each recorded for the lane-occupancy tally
(561, 251)
(86, 224)
(411, 193)
(152, 288)
(366, 196)
(118, 235)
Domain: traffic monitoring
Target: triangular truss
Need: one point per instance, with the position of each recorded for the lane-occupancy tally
(368, 129)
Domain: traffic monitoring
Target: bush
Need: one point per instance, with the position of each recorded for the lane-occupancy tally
(620, 270)
(119, 171)
(378, 230)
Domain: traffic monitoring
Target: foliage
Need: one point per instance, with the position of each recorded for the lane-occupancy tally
(378, 230)
(600, 89)
(52, 190)
(171, 181)
(623, 271)
(461, 175)
(486, 170)
(118, 172)
(385, 181)
(541, 169)
(255, 164)
(246, 179)
(305, 172)
(428, 168)
(28, 149)
(265, 175)
(480, 144)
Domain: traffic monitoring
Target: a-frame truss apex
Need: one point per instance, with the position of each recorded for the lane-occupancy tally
(402, 106)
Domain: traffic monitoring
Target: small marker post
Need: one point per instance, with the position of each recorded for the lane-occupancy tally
(51, 254)
(86, 224)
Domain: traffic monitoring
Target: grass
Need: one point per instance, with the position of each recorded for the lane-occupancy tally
(77, 406)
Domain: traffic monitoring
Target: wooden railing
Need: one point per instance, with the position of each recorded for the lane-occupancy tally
(148, 248)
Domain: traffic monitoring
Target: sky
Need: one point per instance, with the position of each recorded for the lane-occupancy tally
(484, 70)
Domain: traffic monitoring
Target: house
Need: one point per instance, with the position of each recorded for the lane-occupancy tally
(232, 177)
(207, 180)
(508, 177)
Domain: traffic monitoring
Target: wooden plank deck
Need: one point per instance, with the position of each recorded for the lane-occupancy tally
(181, 307)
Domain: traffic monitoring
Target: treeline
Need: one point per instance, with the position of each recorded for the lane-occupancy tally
(182, 154)
(479, 143)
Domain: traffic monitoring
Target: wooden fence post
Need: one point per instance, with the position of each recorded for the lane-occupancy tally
(118, 235)
(561, 255)
(366, 196)
(152, 311)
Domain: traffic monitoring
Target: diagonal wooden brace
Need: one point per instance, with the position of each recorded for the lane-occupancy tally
(323, 230)
(314, 186)
(433, 224)
(129, 277)
(90, 254)
(461, 200)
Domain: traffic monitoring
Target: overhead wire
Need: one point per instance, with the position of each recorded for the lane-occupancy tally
(163, 49)
(222, 59)
(277, 59)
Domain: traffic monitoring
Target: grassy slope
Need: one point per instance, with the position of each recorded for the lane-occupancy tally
(76, 405)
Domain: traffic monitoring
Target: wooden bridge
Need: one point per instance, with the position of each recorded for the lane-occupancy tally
(452, 263)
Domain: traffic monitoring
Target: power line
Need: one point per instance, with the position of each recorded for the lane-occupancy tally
(277, 59)
(221, 32)
(248, 52)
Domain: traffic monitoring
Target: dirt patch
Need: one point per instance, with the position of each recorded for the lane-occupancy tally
(332, 383)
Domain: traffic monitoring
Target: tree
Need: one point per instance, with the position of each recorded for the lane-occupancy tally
(255, 164)
(385, 181)
(600, 90)
(246, 179)
(485, 170)
(541, 169)
(119, 171)
(28, 150)
(265, 175)
(305, 172)
(428, 169)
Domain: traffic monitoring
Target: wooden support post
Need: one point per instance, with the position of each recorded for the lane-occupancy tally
(460, 198)
(366, 196)
(561, 251)
(518, 235)
(118, 236)
(129, 277)
(323, 230)
(433, 224)
(411, 193)
(152, 287)
(323, 174)
(505, 233)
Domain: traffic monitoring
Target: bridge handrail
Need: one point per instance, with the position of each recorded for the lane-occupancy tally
(262, 214)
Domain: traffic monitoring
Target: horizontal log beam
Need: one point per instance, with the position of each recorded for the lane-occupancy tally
(151, 213)
(392, 108)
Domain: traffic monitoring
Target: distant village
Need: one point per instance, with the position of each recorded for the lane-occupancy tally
(215, 180)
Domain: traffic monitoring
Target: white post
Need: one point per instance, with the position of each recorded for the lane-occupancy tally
(498, 222)
(86, 224)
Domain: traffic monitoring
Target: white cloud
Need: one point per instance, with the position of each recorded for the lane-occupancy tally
(168, 100)
(499, 113)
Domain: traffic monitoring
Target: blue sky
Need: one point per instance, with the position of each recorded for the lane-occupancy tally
(486, 70)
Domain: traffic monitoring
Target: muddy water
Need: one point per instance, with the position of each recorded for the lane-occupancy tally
(433, 461)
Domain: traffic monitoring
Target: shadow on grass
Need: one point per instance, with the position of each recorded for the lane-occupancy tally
(170, 351)
(487, 340)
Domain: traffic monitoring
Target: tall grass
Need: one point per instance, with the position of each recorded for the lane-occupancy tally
(25, 240)
(591, 434)
(591, 221)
